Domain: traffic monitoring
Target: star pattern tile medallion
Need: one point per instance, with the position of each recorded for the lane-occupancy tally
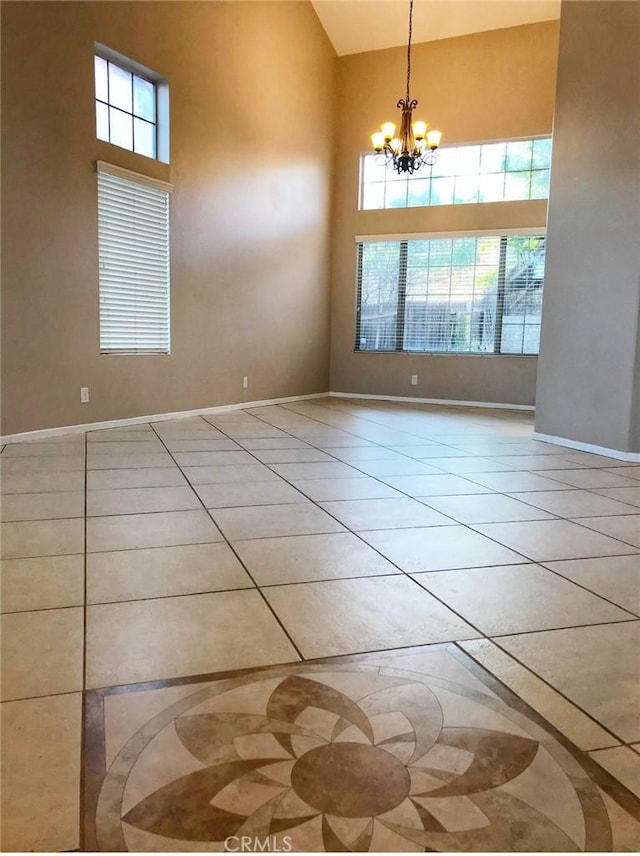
(410, 751)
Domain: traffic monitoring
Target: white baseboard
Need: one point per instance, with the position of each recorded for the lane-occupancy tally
(443, 402)
(628, 457)
(44, 433)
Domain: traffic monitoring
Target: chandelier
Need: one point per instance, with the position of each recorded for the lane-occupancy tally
(414, 147)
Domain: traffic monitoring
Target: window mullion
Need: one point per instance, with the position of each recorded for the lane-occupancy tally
(402, 295)
(502, 268)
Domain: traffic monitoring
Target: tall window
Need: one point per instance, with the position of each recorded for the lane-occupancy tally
(488, 172)
(133, 252)
(126, 108)
(473, 295)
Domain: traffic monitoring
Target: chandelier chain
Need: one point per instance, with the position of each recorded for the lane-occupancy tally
(409, 48)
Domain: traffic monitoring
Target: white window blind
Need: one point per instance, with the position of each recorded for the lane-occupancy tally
(133, 249)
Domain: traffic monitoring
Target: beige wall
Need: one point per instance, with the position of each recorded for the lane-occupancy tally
(251, 88)
(590, 353)
(487, 86)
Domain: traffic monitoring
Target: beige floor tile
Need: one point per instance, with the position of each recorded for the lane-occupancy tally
(41, 741)
(159, 529)
(271, 521)
(360, 514)
(127, 462)
(369, 614)
(351, 455)
(292, 456)
(394, 467)
(461, 466)
(28, 538)
(595, 667)
(588, 478)
(306, 558)
(547, 540)
(432, 449)
(518, 599)
(41, 450)
(591, 460)
(170, 434)
(42, 482)
(141, 500)
(140, 477)
(626, 529)
(325, 490)
(330, 442)
(41, 652)
(155, 639)
(241, 474)
(163, 572)
(42, 506)
(253, 430)
(628, 472)
(616, 577)
(485, 508)
(623, 763)
(254, 443)
(575, 503)
(48, 582)
(566, 717)
(150, 446)
(439, 548)
(630, 495)
(331, 470)
(212, 459)
(515, 482)
(218, 443)
(538, 462)
(434, 485)
(258, 493)
(50, 464)
(130, 434)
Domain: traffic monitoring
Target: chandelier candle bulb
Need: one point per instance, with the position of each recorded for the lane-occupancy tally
(419, 130)
(433, 139)
(388, 130)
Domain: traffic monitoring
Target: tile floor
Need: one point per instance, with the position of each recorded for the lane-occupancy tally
(163, 553)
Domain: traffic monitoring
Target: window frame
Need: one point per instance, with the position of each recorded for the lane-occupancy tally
(404, 239)
(161, 102)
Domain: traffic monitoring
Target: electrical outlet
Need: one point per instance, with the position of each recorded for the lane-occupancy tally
(414, 380)
(245, 383)
(84, 395)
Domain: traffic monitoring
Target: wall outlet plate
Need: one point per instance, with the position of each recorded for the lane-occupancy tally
(414, 380)
(84, 395)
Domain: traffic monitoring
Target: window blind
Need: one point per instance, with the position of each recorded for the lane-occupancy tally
(133, 252)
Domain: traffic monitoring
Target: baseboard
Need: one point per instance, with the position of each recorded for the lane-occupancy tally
(444, 402)
(627, 457)
(44, 433)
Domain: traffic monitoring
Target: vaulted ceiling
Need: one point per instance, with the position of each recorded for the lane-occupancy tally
(354, 26)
